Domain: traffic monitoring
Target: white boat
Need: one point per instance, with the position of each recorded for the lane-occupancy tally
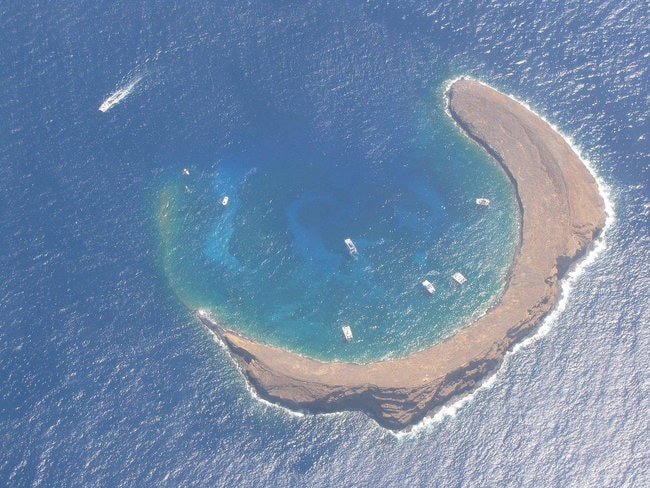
(459, 278)
(347, 333)
(483, 202)
(351, 248)
(428, 286)
(224, 200)
(186, 171)
(119, 95)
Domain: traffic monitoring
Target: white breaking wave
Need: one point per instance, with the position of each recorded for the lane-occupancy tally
(251, 390)
(120, 94)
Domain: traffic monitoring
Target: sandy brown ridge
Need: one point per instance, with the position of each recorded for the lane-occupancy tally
(561, 213)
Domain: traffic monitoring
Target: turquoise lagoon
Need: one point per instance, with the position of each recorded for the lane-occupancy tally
(272, 263)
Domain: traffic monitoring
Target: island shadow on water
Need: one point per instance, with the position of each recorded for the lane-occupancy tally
(563, 213)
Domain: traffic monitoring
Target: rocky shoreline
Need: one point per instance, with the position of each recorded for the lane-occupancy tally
(561, 213)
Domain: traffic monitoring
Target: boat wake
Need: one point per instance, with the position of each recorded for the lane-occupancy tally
(120, 94)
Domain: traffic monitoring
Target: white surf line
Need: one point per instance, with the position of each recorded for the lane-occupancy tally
(566, 286)
(251, 390)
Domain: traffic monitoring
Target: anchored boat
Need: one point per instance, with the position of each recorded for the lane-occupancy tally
(428, 286)
(459, 278)
(347, 333)
(352, 249)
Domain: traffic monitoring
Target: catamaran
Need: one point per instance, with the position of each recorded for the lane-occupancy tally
(428, 286)
(352, 249)
(459, 278)
(347, 333)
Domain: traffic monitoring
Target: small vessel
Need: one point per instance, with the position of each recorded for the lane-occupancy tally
(224, 200)
(352, 249)
(347, 333)
(186, 171)
(119, 95)
(483, 202)
(428, 286)
(459, 278)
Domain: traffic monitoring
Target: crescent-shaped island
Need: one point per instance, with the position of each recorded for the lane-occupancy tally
(561, 212)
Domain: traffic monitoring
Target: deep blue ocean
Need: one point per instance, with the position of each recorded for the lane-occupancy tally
(320, 121)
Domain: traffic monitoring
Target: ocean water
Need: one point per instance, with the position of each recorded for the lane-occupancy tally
(320, 120)
(273, 262)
